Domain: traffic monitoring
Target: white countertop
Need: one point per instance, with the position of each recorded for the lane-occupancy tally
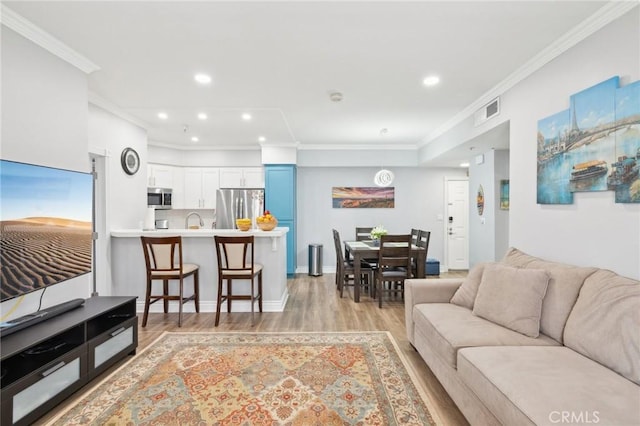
(258, 233)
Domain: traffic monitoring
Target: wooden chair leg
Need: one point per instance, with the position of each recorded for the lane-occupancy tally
(219, 303)
(252, 299)
(147, 302)
(180, 301)
(196, 290)
(229, 294)
(165, 292)
(260, 291)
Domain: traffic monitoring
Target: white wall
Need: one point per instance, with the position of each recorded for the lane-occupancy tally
(419, 199)
(594, 230)
(126, 194)
(121, 198)
(44, 121)
(502, 172)
(488, 234)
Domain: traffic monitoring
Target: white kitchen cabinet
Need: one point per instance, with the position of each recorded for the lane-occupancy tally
(160, 175)
(200, 187)
(241, 177)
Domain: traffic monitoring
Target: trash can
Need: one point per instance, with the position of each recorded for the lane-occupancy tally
(315, 260)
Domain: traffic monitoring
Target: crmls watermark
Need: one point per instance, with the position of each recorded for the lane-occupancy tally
(573, 417)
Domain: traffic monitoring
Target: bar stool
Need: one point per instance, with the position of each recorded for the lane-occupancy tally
(236, 262)
(160, 259)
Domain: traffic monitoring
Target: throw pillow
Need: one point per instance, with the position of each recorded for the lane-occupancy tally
(512, 297)
(465, 296)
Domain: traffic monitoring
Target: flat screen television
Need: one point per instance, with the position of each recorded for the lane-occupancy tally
(45, 226)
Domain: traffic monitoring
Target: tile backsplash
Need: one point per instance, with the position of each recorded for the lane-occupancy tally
(176, 217)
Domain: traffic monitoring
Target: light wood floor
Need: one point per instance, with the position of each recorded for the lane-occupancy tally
(313, 305)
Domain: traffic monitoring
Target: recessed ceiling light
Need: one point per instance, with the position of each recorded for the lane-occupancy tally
(384, 131)
(246, 116)
(431, 80)
(202, 116)
(202, 78)
(163, 115)
(194, 139)
(464, 164)
(262, 139)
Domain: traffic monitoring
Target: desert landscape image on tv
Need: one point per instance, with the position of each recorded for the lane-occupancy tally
(45, 226)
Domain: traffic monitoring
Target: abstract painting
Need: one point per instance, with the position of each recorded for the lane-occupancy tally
(363, 197)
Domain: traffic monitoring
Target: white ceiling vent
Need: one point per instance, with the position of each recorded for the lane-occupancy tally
(488, 111)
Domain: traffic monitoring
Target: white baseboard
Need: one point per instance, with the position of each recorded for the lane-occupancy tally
(210, 306)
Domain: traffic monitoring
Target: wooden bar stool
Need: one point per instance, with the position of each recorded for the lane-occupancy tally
(236, 262)
(160, 258)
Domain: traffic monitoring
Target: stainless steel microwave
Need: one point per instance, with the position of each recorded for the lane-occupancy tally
(159, 198)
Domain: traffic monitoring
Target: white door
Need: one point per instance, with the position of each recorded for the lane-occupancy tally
(457, 224)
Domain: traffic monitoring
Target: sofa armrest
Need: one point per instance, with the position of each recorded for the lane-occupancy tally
(416, 291)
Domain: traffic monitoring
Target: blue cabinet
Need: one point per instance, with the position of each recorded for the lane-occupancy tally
(280, 200)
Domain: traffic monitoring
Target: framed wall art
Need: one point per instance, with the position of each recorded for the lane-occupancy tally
(362, 197)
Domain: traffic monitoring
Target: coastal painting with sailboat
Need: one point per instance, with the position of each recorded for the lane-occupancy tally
(592, 146)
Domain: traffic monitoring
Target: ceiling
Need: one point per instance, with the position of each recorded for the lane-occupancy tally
(279, 62)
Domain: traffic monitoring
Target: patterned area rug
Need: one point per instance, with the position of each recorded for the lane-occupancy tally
(258, 379)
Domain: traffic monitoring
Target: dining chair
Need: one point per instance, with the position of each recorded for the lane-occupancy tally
(415, 235)
(394, 265)
(423, 242)
(236, 262)
(363, 233)
(345, 268)
(163, 260)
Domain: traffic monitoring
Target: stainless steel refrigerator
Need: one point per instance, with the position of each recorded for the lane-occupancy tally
(232, 204)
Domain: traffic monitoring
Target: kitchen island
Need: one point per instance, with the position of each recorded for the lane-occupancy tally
(128, 271)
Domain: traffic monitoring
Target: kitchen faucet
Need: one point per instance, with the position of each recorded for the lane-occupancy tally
(186, 221)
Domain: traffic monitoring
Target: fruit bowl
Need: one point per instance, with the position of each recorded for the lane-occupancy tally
(268, 225)
(243, 224)
(267, 221)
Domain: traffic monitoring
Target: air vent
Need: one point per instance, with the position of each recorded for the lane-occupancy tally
(488, 111)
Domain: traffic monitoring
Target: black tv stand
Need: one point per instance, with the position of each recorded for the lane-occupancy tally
(25, 321)
(44, 364)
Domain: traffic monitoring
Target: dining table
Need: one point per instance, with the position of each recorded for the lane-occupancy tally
(369, 249)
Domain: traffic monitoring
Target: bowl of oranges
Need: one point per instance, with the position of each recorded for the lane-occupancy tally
(267, 222)
(243, 224)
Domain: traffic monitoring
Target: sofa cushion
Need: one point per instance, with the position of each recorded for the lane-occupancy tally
(605, 323)
(449, 327)
(517, 258)
(467, 292)
(512, 297)
(564, 285)
(543, 385)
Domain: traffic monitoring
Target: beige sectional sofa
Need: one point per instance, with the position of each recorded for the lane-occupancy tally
(526, 341)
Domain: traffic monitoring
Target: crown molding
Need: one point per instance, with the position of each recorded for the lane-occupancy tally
(604, 16)
(109, 106)
(354, 147)
(30, 31)
(268, 144)
(197, 147)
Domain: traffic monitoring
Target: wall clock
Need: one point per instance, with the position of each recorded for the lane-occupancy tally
(130, 161)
